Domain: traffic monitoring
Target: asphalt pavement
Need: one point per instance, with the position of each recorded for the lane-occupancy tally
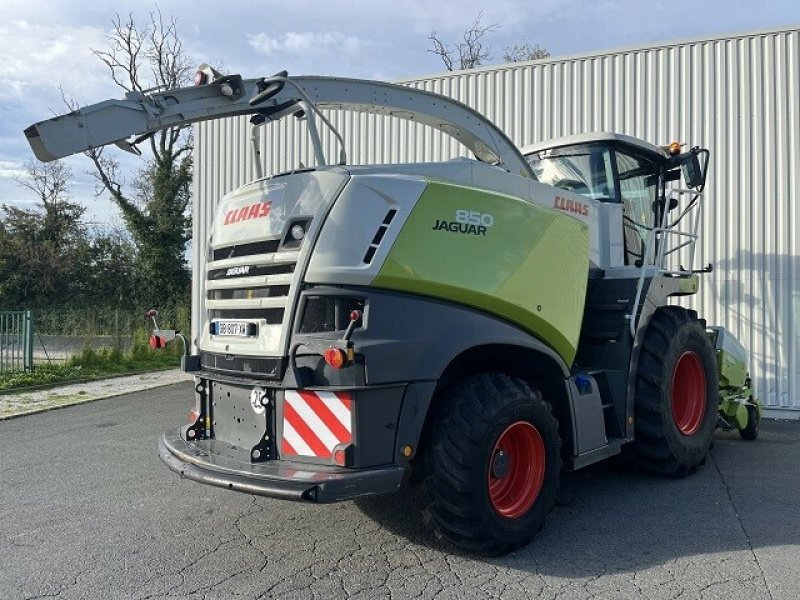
(87, 510)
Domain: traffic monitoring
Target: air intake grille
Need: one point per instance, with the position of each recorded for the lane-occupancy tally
(266, 247)
(250, 282)
(376, 240)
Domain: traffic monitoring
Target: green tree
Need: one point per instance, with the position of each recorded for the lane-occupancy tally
(111, 278)
(42, 250)
(155, 206)
(49, 258)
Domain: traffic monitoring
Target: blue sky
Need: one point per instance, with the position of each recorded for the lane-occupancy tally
(47, 44)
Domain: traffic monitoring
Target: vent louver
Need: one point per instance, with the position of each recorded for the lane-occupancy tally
(379, 235)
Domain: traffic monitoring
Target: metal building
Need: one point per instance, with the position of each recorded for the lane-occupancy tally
(739, 96)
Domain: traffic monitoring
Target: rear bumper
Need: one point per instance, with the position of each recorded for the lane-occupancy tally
(209, 462)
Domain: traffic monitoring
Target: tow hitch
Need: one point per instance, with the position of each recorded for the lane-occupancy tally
(160, 337)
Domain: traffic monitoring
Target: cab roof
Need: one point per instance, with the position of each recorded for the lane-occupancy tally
(598, 136)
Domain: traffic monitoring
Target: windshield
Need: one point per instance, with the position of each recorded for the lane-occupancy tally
(584, 170)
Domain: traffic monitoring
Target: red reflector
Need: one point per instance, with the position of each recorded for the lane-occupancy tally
(200, 78)
(335, 357)
(193, 416)
(339, 457)
(157, 342)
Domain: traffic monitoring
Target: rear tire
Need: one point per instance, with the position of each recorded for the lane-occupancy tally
(675, 407)
(492, 462)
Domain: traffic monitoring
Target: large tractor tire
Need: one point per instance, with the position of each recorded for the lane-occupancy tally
(491, 463)
(675, 408)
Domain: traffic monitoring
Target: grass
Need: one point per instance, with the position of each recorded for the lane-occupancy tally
(92, 364)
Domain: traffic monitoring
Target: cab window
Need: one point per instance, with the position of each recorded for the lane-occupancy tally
(638, 180)
(584, 170)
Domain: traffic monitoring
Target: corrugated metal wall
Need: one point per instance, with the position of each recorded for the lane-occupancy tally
(738, 96)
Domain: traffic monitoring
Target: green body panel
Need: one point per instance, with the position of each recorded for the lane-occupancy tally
(733, 406)
(530, 266)
(735, 393)
(732, 372)
(689, 285)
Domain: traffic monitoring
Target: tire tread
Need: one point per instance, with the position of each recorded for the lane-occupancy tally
(467, 410)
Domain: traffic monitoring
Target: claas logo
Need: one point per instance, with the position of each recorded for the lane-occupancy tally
(245, 213)
(579, 208)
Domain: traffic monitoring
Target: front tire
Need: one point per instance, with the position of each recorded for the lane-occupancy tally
(750, 432)
(491, 464)
(675, 408)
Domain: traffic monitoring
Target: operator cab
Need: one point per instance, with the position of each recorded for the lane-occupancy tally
(615, 168)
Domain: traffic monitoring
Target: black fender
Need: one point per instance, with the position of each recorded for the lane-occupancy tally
(427, 344)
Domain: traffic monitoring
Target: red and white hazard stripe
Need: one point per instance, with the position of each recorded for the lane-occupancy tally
(314, 423)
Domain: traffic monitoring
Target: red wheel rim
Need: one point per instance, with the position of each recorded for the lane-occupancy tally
(516, 470)
(688, 393)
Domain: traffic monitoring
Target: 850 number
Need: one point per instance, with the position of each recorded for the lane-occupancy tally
(474, 217)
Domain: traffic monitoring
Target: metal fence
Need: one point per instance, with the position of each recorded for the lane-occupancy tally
(16, 340)
(113, 321)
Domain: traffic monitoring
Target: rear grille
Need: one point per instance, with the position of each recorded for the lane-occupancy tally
(250, 282)
(249, 293)
(252, 271)
(273, 316)
(236, 251)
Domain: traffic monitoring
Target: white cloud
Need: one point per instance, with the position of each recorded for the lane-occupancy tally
(11, 169)
(36, 56)
(307, 43)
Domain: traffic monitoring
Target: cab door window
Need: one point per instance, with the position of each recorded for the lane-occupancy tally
(638, 181)
(584, 170)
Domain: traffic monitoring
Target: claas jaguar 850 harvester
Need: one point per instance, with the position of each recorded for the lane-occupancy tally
(470, 326)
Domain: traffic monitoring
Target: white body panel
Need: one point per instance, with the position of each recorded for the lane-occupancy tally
(351, 226)
(305, 196)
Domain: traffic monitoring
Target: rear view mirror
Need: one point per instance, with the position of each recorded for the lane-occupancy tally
(692, 171)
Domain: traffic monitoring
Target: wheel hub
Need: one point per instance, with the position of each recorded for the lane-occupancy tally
(516, 470)
(688, 393)
(500, 464)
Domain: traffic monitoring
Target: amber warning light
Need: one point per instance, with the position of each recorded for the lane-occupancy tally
(335, 357)
(339, 357)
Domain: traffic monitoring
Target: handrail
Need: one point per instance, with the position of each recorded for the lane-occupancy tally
(653, 259)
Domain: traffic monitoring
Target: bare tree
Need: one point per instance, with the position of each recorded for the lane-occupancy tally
(470, 52)
(524, 51)
(49, 181)
(141, 58)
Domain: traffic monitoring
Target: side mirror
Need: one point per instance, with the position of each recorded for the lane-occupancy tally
(692, 170)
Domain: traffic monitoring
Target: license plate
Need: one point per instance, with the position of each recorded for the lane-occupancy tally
(235, 328)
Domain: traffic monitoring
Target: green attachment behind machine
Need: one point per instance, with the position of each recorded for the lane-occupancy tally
(738, 408)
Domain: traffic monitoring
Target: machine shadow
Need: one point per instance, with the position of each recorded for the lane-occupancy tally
(610, 517)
